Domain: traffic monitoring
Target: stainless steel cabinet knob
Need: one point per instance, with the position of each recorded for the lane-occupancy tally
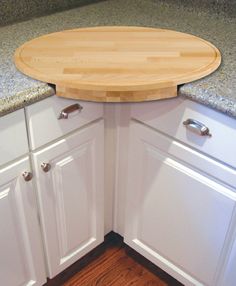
(45, 167)
(27, 176)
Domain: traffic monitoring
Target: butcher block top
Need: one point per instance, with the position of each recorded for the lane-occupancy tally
(115, 64)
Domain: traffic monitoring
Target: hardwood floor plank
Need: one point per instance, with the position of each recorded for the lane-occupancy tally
(113, 264)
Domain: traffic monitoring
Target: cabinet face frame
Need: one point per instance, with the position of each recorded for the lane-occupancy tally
(84, 152)
(143, 138)
(21, 249)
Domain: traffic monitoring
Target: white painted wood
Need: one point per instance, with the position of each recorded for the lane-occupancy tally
(198, 161)
(13, 136)
(71, 196)
(168, 116)
(21, 254)
(228, 276)
(175, 216)
(110, 161)
(122, 117)
(44, 126)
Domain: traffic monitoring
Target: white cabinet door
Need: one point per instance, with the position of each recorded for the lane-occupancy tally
(175, 216)
(21, 254)
(71, 196)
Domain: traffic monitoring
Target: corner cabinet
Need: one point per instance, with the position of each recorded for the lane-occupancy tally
(21, 253)
(70, 189)
(176, 215)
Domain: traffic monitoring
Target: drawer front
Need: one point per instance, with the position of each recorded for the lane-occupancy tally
(13, 136)
(43, 122)
(168, 116)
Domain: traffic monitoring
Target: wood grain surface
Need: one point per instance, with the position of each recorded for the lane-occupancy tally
(113, 264)
(117, 63)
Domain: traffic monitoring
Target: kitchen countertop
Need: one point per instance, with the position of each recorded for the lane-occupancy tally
(217, 90)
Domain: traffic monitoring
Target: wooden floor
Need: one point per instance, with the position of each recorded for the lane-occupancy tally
(113, 264)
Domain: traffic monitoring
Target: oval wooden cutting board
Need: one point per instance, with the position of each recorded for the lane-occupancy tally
(115, 64)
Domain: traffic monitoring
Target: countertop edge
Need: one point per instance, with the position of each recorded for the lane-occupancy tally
(223, 105)
(32, 95)
(25, 98)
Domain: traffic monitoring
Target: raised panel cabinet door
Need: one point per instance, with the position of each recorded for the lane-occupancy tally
(21, 253)
(70, 191)
(175, 216)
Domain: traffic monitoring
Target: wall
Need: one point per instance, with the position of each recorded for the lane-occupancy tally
(228, 7)
(18, 10)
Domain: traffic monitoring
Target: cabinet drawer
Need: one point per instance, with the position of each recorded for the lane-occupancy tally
(13, 136)
(43, 122)
(168, 117)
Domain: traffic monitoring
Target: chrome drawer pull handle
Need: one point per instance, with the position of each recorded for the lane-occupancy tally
(66, 111)
(197, 127)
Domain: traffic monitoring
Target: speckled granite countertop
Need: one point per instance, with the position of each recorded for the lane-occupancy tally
(217, 90)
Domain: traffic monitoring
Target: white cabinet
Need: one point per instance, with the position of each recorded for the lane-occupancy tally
(70, 195)
(13, 136)
(180, 200)
(21, 254)
(176, 216)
